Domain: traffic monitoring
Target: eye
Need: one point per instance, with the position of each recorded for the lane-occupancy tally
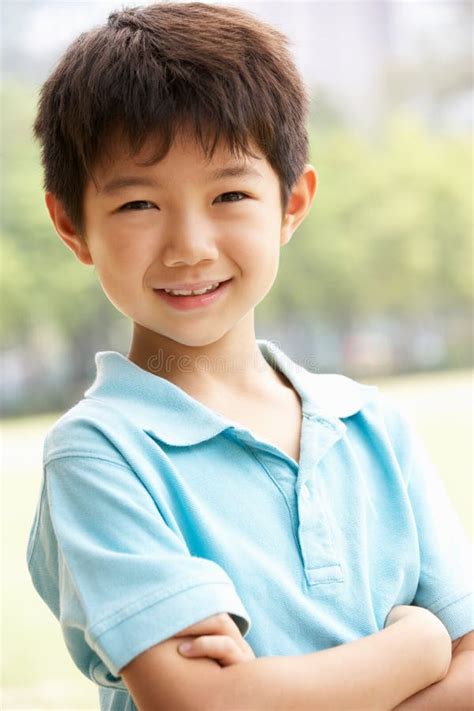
(135, 205)
(234, 193)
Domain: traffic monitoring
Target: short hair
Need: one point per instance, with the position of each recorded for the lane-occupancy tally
(150, 70)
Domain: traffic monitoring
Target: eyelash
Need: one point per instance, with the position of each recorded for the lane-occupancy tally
(135, 202)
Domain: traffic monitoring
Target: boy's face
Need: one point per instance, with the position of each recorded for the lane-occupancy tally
(184, 225)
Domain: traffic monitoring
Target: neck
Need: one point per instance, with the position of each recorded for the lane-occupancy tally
(233, 363)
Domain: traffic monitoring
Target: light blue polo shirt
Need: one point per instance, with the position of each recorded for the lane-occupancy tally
(157, 512)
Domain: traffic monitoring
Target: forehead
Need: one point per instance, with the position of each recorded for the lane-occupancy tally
(118, 155)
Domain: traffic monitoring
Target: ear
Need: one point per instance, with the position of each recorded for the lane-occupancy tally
(299, 203)
(66, 231)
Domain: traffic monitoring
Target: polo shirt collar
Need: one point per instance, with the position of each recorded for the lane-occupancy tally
(168, 413)
(330, 396)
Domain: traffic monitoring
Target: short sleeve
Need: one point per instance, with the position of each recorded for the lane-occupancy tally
(446, 564)
(118, 577)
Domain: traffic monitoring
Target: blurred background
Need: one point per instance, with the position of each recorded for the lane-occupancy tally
(376, 283)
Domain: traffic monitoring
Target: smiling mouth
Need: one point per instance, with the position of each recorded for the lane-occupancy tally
(185, 302)
(213, 286)
(193, 292)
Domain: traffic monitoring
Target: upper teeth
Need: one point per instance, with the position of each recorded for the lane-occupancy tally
(181, 292)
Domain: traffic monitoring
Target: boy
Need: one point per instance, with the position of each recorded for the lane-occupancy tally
(206, 488)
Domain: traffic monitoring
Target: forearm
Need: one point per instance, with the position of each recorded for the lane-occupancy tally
(455, 692)
(376, 672)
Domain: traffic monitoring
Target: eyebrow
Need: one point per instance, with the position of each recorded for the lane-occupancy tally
(126, 181)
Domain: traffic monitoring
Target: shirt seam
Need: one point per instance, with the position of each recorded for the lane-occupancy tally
(116, 618)
(435, 609)
(128, 468)
(81, 455)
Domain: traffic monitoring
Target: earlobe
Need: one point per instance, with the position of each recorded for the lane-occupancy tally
(286, 230)
(66, 231)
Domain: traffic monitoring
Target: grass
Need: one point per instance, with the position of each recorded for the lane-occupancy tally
(37, 670)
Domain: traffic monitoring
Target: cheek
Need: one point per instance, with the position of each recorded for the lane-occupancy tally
(120, 266)
(253, 235)
(258, 260)
(121, 251)
(258, 251)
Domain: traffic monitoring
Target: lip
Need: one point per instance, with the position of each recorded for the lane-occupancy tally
(185, 303)
(192, 287)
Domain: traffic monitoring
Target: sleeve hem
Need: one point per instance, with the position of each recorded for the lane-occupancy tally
(118, 645)
(458, 616)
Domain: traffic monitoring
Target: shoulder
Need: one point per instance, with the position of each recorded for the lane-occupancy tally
(109, 409)
(91, 427)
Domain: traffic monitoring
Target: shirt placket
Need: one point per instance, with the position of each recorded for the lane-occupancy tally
(316, 540)
(319, 551)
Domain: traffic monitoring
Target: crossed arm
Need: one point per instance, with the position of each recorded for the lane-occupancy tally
(456, 691)
(379, 672)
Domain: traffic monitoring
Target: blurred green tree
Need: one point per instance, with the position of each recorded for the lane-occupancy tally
(389, 231)
(41, 279)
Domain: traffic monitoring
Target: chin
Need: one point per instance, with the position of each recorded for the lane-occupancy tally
(198, 341)
(189, 336)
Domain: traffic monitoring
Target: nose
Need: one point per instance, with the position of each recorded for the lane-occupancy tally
(189, 241)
